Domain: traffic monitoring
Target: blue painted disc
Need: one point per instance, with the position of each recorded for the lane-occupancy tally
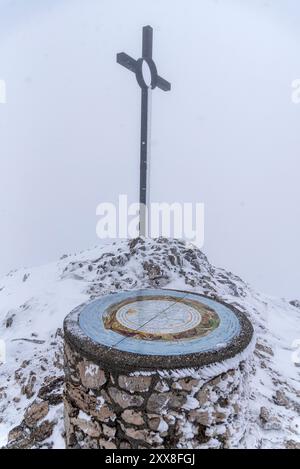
(159, 322)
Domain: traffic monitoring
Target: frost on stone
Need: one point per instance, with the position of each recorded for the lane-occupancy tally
(99, 402)
(91, 370)
(84, 416)
(191, 403)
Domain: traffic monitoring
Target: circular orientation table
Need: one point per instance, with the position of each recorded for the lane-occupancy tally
(141, 365)
(158, 329)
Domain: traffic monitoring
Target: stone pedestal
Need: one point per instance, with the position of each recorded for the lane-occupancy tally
(115, 398)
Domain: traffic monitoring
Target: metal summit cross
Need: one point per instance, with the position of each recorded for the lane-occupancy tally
(138, 68)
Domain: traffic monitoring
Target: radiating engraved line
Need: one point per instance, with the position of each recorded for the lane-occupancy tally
(179, 323)
(151, 319)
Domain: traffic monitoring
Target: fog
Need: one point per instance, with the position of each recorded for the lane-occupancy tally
(226, 135)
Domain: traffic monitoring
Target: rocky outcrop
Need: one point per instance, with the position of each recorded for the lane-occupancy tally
(38, 422)
(34, 428)
(118, 266)
(157, 263)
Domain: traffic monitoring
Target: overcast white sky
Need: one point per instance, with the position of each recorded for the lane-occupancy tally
(227, 134)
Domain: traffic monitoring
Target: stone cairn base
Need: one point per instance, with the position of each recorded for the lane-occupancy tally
(161, 409)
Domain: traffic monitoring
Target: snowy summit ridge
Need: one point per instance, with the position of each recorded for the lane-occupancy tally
(34, 303)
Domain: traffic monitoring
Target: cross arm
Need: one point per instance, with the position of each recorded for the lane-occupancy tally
(127, 61)
(163, 84)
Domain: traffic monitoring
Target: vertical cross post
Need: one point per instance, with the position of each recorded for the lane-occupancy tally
(136, 66)
(146, 54)
(144, 163)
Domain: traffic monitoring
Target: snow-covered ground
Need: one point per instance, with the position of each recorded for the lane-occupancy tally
(34, 302)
